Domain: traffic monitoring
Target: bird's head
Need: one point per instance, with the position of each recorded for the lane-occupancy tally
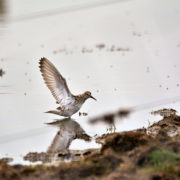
(87, 95)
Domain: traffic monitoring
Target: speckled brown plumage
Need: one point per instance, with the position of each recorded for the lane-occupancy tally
(69, 103)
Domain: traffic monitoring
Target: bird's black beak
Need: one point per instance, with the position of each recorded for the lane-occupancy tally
(93, 98)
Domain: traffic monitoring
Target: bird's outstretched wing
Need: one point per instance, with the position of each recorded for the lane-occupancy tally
(56, 83)
(61, 141)
(69, 130)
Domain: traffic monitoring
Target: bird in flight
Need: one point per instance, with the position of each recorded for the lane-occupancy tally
(69, 103)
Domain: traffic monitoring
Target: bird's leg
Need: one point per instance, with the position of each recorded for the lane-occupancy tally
(109, 129)
(83, 113)
(114, 127)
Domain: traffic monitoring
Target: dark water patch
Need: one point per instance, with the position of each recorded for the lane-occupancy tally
(2, 72)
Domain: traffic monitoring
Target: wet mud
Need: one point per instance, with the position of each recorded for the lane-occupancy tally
(2, 72)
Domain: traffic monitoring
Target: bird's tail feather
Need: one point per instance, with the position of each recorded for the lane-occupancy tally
(53, 112)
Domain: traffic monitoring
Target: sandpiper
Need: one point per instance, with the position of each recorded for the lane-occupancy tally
(69, 103)
(69, 131)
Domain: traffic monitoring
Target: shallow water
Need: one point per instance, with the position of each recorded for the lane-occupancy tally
(139, 64)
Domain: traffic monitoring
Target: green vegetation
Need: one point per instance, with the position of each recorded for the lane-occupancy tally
(164, 161)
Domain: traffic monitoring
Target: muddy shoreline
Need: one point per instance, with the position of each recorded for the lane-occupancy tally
(152, 153)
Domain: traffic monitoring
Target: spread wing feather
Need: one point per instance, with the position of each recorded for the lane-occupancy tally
(55, 82)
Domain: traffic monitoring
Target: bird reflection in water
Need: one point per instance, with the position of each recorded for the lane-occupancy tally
(69, 130)
(59, 148)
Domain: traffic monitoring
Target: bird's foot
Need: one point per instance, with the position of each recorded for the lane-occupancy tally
(83, 114)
